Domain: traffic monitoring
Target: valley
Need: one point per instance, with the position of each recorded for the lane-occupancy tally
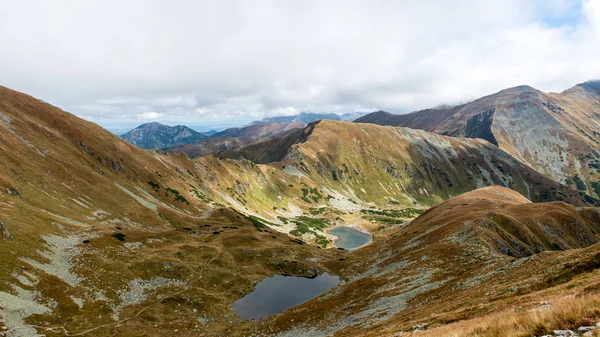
(102, 238)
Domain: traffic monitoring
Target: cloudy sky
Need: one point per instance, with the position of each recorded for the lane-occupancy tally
(133, 61)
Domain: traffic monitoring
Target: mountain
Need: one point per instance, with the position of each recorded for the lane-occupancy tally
(235, 138)
(159, 136)
(465, 266)
(354, 166)
(555, 133)
(308, 117)
(100, 237)
(210, 133)
(258, 131)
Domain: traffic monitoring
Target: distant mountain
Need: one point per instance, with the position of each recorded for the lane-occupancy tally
(160, 136)
(557, 134)
(235, 138)
(209, 133)
(309, 117)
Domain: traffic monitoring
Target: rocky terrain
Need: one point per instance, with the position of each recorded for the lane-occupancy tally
(235, 138)
(102, 238)
(565, 145)
(159, 136)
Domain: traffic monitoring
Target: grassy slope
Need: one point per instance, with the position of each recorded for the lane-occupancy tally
(64, 207)
(446, 267)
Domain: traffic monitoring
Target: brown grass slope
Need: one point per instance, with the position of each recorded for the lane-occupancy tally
(449, 265)
(89, 247)
(555, 133)
(513, 225)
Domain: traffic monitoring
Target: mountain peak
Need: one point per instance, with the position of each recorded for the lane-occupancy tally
(519, 89)
(155, 135)
(592, 86)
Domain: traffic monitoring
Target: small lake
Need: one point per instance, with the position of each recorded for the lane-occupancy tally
(275, 294)
(349, 238)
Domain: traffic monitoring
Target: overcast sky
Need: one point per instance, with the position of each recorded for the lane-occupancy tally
(199, 61)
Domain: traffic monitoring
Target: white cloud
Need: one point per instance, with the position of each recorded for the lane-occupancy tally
(149, 115)
(196, 60)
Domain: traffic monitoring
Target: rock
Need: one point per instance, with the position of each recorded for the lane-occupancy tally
(14, 192)
(564, 333)
(586, 328)
(588, 334)
(419, 327)
(545, 307)
(4, 231)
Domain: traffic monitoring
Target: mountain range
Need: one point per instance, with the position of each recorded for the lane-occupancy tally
(477, 228)
(183, 139)
(159, 136)
(309, 117)
(234, 138)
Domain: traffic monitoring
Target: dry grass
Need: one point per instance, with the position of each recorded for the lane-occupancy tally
(567, 312)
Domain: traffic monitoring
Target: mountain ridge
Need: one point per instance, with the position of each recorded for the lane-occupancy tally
(159, 136)
(564, 122)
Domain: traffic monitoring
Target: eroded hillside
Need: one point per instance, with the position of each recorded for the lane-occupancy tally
(555, 133)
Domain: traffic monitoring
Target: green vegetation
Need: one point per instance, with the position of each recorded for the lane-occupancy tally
(259, 223)
(394, 213)
(178, 197)
(311, 194)
(596, 187)
(306, 224)
(334, 175)
(154, 185)
(316, 211)
(390, 216)
(322, 241)
(579, 183)
(324, 210)
(199, 194)
(381, 219)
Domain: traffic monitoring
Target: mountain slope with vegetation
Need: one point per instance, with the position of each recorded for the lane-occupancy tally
(102, 238)
(555, 133)
(448, 265)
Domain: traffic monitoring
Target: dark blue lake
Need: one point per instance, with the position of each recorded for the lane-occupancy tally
(275, 294)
